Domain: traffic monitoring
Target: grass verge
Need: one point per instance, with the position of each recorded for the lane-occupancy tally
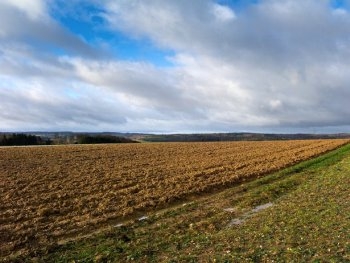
(308, 222)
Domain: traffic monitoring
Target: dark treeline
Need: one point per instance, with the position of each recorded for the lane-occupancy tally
(88, 139)
(17, 139)
(237, 137)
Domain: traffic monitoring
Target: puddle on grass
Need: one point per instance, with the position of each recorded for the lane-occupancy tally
(261, 207)
(142, 218)
(244, 217)
(236, 221)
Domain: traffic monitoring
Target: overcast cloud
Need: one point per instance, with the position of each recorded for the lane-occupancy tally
(272, 66)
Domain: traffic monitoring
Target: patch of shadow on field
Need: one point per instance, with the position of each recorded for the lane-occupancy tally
(245, 216)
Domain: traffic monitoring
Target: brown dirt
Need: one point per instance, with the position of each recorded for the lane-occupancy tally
(49, 194)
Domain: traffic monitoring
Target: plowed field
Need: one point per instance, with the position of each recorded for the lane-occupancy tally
(51, 193)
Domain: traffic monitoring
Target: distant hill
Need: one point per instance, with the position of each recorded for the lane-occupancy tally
(116, 137)
(236, 137)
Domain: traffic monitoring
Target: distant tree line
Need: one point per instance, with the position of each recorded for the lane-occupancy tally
(89, 139)
(17, 139)
(236, 137)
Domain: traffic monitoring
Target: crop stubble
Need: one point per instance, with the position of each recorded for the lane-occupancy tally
(51, 193)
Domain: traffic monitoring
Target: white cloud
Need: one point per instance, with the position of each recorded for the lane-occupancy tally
(28, 24)
(34, 9)
(223, 13)
(275, 104)
(274, 49)
(276, 65)
(340, 12)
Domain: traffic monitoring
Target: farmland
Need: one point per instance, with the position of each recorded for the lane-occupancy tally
(49, 194)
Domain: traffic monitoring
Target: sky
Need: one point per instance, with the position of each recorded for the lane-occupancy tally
(165, 66)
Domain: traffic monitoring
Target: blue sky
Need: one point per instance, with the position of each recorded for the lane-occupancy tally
(90, 25)
(339, 4)
(175, 66)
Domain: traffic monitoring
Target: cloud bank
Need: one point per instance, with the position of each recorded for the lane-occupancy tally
(270, 66)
